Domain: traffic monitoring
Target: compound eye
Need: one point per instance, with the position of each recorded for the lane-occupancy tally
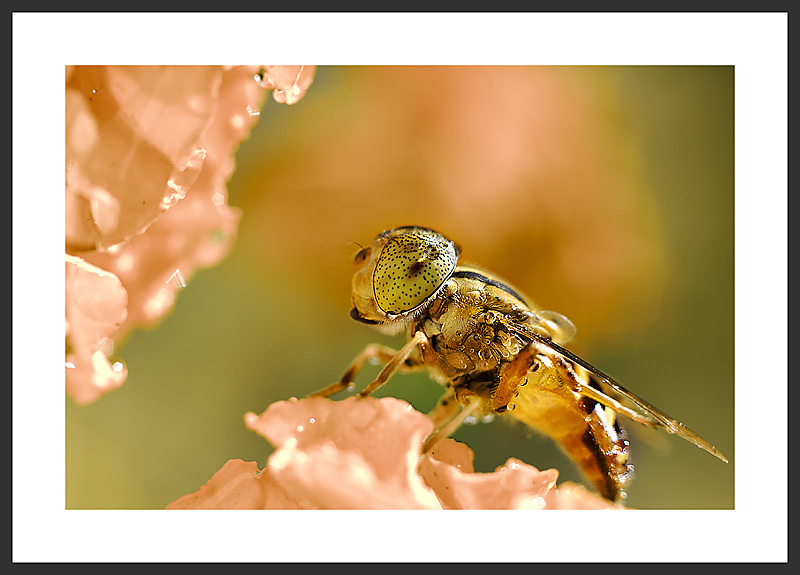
(411, 268)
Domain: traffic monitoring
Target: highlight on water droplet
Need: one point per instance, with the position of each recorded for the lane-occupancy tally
(176, 279)
(263, 79)
(218, 198)
(537, 503)
(183, 178)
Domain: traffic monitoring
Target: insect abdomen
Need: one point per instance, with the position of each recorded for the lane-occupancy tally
(583, 429)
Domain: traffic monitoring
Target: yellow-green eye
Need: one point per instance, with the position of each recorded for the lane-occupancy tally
(411, 268)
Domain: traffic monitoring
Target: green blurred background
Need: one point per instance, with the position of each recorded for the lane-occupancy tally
(605, 193)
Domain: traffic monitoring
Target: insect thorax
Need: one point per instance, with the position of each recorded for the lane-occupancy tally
(469, 328)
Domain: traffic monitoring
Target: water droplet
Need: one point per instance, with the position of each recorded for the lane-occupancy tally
(279, 96)
(263, 80)
(218, 198)
(176, 279)
(108, 347)
(183, 178)
(537, 503)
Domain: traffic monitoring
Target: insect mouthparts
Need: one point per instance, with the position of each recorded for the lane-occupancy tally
(358, 317)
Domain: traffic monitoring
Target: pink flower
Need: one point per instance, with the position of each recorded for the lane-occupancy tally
(149, 151)
(366, 454)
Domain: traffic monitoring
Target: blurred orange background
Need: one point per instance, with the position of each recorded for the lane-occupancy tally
(604, 193)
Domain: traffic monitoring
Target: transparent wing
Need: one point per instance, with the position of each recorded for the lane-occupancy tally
(544, 323)
(605, 390)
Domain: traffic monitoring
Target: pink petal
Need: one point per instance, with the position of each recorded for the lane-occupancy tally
(149, 151)
(366, 454)
(239, 485)
(514, 485)
(95, 307)
(351, 454)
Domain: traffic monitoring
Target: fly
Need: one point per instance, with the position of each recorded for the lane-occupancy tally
(494, 352)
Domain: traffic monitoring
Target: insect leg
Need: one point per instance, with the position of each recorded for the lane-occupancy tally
(445, 409)
(449, 427)
(511, 377)
(377, 351)
(396, 363)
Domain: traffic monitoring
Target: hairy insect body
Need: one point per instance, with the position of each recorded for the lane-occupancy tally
(495, 352)
(465, 330)
(475, 329)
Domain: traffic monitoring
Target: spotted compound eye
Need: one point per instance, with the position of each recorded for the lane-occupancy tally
(411, 268)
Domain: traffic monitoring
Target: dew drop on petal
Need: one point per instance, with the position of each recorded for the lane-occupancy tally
(183, 178)
(537, 503)
(176, 279)
(218, 198)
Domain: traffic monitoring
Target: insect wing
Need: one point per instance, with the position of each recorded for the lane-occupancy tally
(605, 390)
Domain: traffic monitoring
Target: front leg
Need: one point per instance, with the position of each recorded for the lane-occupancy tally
(399, 363)
(379, 352)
